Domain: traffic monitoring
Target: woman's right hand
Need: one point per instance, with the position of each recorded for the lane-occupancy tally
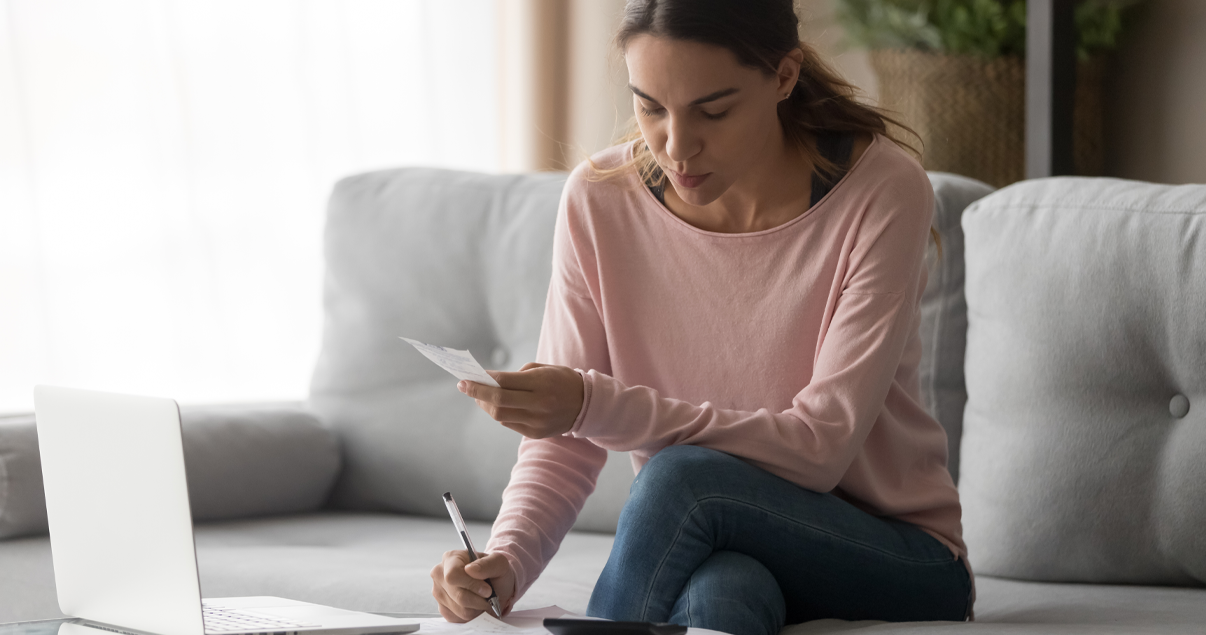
(460, 586)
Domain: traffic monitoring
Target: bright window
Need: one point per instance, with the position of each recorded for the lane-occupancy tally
(164, 168)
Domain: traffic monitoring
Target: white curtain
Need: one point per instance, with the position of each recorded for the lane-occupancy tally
(164, 167)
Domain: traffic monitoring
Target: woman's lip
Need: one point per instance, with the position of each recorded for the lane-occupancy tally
(689, 181)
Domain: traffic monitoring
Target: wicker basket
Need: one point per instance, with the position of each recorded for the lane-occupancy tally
(971, 111)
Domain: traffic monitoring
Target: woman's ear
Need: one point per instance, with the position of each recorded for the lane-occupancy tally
(789, 71)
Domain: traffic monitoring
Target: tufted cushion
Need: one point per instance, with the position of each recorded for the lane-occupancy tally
(1084, 439)
(944, 311)
(452, 258)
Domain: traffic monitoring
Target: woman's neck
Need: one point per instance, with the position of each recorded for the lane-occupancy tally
(773, 191)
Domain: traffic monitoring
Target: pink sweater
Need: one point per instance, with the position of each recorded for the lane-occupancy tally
(795, 348)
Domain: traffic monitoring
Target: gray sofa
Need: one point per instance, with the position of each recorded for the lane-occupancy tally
(1071, 378)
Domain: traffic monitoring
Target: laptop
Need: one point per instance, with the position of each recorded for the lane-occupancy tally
(121, 532)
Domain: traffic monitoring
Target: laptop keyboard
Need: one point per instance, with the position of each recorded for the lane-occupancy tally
(219, 620)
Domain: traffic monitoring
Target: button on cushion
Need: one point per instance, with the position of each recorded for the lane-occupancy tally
(1179, 406)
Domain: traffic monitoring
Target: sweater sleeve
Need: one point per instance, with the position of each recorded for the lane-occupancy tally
(813, 442)
(553, 477)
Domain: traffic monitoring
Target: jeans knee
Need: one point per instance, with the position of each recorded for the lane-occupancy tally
(733, 593)
(675, 468)
(668, 487)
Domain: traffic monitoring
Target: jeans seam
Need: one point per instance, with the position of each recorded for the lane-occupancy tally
(690, 619)
(657, 572)
(812, 527)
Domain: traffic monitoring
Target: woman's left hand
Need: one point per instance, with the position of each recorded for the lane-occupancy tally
(538, 401)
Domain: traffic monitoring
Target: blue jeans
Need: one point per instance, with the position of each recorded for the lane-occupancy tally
(711, 541)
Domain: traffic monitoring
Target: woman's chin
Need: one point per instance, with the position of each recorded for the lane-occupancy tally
(697, 197)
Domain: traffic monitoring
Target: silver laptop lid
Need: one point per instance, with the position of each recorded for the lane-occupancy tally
(117, 501)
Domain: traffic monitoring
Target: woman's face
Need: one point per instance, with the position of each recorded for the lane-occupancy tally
(707, 119)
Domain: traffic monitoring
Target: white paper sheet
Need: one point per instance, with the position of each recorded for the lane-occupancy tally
(529, 622)
(517, 623)
(461, 364)
(553, 611)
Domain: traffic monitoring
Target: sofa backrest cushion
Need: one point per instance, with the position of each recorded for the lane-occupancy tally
(1084, 435)
(244, 461)
(944, 311)
(463, 260)
(240, 461)
(457, 259)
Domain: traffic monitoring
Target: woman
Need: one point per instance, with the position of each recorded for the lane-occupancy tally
(750, 334)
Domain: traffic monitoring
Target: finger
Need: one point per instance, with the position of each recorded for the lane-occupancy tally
(511, 415)
(527, 416)
(448, 615)
(453, 569)
(467, 602)
(489, 566)
(504, 397)
(462, 602)
(448, 608)
(449, 605)
(529, 431)
(523, 379)
(456, 578)
(522, 428)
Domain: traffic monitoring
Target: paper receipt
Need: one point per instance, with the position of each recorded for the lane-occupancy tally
(461, 364)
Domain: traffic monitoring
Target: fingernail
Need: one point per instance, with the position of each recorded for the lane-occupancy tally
(460, 385)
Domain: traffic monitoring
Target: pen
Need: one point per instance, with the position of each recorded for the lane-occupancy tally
(464, 532)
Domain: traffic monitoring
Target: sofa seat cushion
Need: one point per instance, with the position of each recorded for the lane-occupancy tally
(381, 562)
(370, 562)
(1014, 607)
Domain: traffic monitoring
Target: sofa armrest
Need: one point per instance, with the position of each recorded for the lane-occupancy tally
(22, 502)
(241, 461)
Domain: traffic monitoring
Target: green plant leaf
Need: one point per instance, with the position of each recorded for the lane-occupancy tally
(989, 28)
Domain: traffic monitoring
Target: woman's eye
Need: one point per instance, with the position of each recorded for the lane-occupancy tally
(653, 112)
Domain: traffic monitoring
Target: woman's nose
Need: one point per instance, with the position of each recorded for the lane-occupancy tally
(681, 142)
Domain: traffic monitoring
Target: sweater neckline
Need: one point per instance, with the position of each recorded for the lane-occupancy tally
(839, 186)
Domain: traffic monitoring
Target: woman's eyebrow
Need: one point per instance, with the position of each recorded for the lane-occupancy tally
(702, 100)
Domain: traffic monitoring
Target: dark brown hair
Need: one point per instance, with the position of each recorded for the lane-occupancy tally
(760, 33)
